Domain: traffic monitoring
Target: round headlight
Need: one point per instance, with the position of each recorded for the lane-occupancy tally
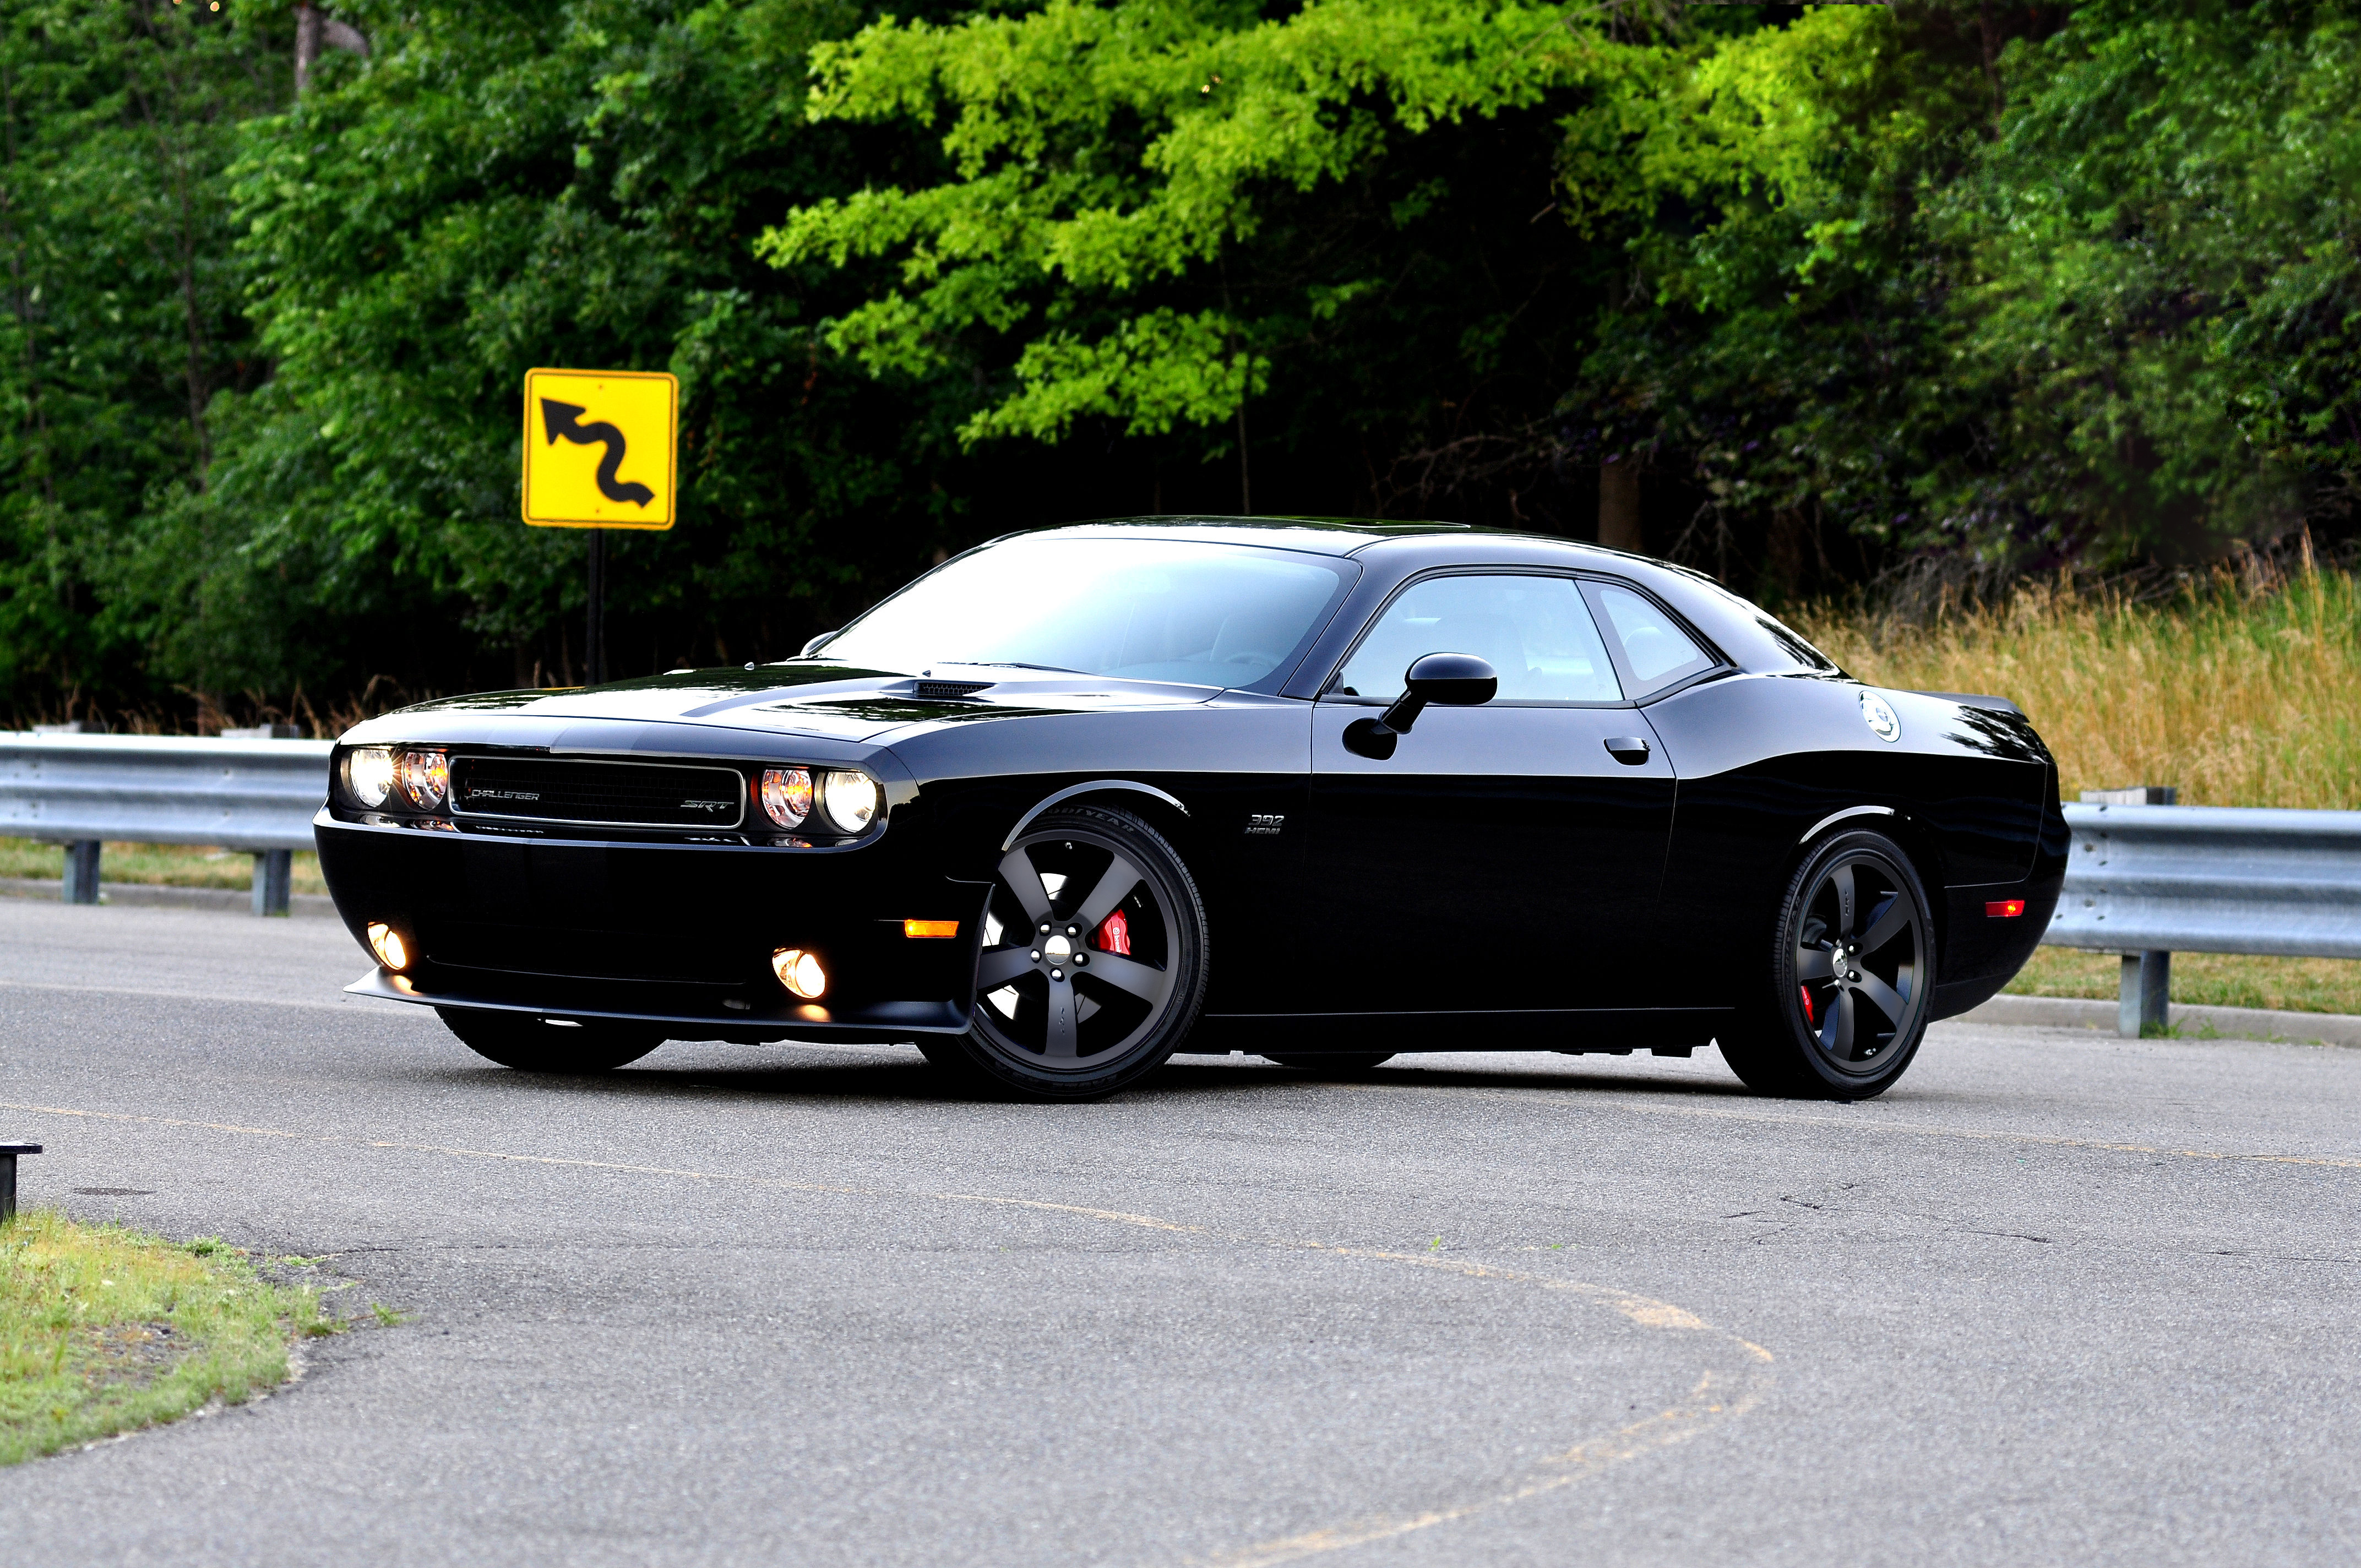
(425, 778)
(369, 773)
(849, 801)
(787, 796)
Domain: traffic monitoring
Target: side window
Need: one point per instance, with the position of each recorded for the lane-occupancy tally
(1535, 631)
(1657, 651)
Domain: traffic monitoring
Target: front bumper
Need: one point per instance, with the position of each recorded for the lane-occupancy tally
(674, 935)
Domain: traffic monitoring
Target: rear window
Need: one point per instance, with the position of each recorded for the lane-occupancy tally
(1655, 650)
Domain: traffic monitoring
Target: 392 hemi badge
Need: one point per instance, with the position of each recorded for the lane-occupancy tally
(1262, 822)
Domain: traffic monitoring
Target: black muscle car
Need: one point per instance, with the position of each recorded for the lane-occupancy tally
(1078, 798)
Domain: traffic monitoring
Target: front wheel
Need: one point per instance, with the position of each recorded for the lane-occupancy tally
(541, 1045)
(1093, 964)
(1851, 976)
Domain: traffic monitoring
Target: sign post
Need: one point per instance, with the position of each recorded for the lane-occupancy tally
(598, 453)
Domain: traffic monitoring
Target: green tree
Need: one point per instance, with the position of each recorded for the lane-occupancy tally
(122, 323)
(1148, 216)
(507, 185)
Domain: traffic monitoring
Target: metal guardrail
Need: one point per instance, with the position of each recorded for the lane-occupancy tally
(82, 790)
(2145, 880)
(2150, 881)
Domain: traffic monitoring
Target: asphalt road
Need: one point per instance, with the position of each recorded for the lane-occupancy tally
(2056, 1298)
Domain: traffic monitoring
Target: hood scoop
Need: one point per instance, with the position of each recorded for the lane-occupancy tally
(937, 691)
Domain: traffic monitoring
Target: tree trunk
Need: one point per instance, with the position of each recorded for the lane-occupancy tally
(307, 43)
(1618, 506)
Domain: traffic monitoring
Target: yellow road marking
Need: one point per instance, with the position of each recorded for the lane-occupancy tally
(1722, 1395)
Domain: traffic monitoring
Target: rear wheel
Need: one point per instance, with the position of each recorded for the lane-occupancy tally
(541, 1045)
(1851, 975)
(1093, 964)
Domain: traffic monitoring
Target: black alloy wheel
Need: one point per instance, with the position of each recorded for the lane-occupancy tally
(1851, 976)
(548, 1045)
(1092, 969)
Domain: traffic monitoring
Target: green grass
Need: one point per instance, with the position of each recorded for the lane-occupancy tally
(2217, 980)
(162, 865)
(105, 1329)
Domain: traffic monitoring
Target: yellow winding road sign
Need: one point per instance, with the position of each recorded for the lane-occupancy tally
(598, 448)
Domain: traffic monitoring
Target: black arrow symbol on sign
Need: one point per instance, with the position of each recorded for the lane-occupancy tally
(566, 420)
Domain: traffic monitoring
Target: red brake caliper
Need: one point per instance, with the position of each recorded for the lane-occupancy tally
(1806, 991)
(1114, 936)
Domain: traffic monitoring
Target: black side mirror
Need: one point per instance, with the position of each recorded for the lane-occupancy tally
(1452, 680)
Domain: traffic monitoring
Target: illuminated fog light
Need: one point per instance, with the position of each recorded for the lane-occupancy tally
(800, 972)
(369, 773)
(849, 801)
(387, 944)
(786, 796)
(425, 778)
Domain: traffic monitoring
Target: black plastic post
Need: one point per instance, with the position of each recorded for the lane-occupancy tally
(82, 871)
(273, 869)
(8, 1153)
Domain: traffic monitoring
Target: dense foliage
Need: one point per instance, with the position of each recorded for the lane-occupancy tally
(1962, 286)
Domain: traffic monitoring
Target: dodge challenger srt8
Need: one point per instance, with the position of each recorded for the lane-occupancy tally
(1322, 791)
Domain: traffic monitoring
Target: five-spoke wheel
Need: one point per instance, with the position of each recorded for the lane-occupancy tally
(1851, 973)
(1093, 962)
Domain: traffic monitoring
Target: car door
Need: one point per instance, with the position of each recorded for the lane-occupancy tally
(1503, 858)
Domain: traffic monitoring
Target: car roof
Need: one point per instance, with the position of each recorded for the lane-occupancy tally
(1318, 535)
(1749, 637)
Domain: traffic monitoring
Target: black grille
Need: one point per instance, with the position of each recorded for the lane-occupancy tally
(610, 795)
(952, 689)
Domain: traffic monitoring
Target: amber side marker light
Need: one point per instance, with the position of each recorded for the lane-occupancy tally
(387, 944)
(2004, 909)
(800, 972)
(930, 927)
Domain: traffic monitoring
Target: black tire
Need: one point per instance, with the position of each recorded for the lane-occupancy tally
(1053, 1021)
(536, 1045)
(1851, 976)
(1333, 1064)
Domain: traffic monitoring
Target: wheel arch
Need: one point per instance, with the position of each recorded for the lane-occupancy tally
(1916, 838)
(1160, 808)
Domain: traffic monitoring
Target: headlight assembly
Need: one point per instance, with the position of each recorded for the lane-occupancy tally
(849, 801)
(786, 796)
(425, 778)
(369, 773)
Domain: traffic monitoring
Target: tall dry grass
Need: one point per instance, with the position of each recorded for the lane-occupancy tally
(2242, 687)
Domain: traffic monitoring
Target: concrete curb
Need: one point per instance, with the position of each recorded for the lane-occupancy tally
(231, 900)
(2188, 1020)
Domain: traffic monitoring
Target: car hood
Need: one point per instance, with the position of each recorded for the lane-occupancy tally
(819, 696)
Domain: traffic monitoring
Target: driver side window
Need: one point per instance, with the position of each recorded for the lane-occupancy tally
(1535, 631)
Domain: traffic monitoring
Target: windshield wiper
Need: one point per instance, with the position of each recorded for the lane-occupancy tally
(1016, 665)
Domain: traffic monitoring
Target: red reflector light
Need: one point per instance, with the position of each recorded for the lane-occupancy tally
(1114, 936)
(2006, 909)
(930, 927)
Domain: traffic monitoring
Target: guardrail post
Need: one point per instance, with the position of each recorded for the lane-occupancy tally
(273, 869)
(2144, 1006)
(82, 871)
